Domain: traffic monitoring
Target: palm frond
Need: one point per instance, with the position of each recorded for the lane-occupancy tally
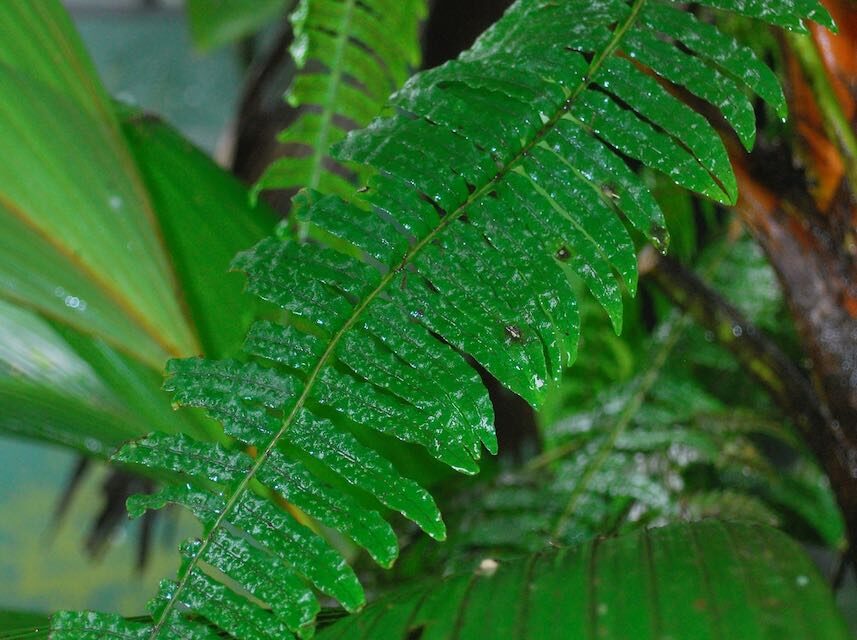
(674, 582)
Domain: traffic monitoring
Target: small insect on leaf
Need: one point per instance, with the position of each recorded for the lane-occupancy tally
(609, 191)
(514, 333)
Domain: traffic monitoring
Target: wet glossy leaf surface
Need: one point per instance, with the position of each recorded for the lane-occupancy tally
(706, 580)
(481, 222)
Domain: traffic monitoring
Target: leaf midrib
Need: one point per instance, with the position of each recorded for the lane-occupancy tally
(594, 67)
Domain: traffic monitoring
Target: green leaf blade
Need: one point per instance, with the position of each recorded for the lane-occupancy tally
(705, 580)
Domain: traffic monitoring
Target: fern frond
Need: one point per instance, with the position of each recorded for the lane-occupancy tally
(350, 56)
(660, 468)
(499, 175)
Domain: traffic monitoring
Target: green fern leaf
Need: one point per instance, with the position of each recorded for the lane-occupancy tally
(785, 13)
(487, 194)
(366, 51)
(609, 473)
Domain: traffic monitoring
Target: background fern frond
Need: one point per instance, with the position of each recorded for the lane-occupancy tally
(350, 56)
(498, 177)
(682, 457)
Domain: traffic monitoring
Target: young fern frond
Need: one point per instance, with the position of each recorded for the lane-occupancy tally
(351, 55)
(498, 176)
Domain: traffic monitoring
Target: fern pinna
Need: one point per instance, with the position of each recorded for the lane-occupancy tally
(495, 178)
